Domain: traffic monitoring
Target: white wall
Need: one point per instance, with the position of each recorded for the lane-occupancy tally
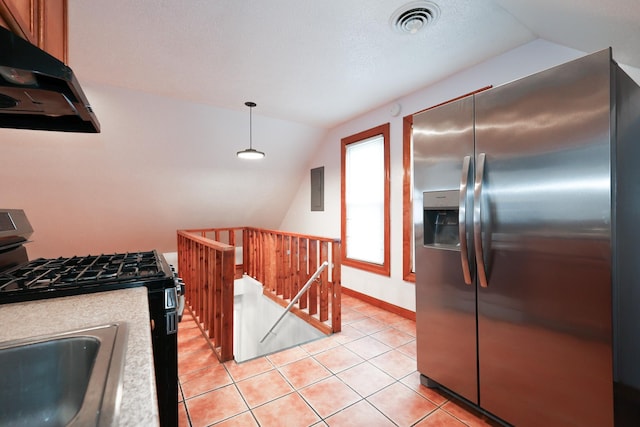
(527, 59)
(162, 164)
(158, 165)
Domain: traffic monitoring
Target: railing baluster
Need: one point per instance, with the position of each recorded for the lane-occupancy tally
(324, 283)
(303, 271)
(270, 261)
(226, 339)
(284, 244)
(313, 264)
(279, 265)
(336, 286)
(206, 291)
(217, 279)
(198, 280)
(293, 267)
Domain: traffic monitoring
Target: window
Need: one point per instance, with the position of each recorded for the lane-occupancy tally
(365, 200)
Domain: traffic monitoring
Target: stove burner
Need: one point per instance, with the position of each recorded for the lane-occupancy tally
(42, 275)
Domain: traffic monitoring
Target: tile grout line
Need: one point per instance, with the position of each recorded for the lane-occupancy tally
(340, 344)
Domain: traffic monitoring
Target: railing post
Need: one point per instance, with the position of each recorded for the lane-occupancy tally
(336, 286)
(207, 290)
(197, 279)
(226, 339)
(303, 270)
(313, 290)
(293, 266)
(324, 283)
(279, 264)
(218, 280)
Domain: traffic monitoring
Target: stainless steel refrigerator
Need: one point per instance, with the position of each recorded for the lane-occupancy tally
(526, 220)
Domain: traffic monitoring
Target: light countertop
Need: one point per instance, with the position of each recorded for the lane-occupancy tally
(34, 318)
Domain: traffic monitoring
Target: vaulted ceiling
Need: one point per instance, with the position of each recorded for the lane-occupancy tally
(321, 63)
(187, 67)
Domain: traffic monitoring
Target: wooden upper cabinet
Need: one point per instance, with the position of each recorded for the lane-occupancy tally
(41, 22)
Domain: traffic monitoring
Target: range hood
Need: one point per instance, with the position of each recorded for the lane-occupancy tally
(38, 91)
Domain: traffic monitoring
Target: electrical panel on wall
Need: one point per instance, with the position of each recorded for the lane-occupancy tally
(317, 189)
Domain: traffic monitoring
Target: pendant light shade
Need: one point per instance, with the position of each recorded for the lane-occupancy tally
(250, 153)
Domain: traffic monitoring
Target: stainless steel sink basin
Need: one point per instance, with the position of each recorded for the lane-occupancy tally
(68, 379)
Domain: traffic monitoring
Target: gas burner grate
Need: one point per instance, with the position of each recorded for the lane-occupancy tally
(81, 271)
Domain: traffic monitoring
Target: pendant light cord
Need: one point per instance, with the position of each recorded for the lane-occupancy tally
(250, 128)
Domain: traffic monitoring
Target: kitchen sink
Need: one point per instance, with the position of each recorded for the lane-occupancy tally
(67, 379)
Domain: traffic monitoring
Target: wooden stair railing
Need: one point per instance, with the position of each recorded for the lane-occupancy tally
(229, 236)
(282, 262)
(207, 268)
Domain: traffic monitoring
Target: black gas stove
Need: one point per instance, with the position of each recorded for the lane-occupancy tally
(55, 277)
(22, 280)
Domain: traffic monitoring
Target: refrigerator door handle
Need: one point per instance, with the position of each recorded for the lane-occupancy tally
(477, 221)
(462, 220)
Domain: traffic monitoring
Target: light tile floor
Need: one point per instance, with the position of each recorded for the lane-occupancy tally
(363, 376)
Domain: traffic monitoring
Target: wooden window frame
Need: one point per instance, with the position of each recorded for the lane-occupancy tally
(385, 268)
(408, 274)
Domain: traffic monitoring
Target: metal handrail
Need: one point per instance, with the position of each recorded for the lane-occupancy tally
(297, 297)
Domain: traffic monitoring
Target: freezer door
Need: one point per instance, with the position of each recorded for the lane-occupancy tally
(445, 304)
(544, 318)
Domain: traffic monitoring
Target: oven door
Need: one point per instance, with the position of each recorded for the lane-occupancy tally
(162, 309)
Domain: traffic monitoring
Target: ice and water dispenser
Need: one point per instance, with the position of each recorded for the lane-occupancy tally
(440, 219)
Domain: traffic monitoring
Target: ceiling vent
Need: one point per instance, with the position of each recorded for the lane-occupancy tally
(414, 17)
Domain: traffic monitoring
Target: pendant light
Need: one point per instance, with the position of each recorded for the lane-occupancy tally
(250, 153)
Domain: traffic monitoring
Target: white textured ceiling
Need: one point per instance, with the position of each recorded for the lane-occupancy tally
(320, 62)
